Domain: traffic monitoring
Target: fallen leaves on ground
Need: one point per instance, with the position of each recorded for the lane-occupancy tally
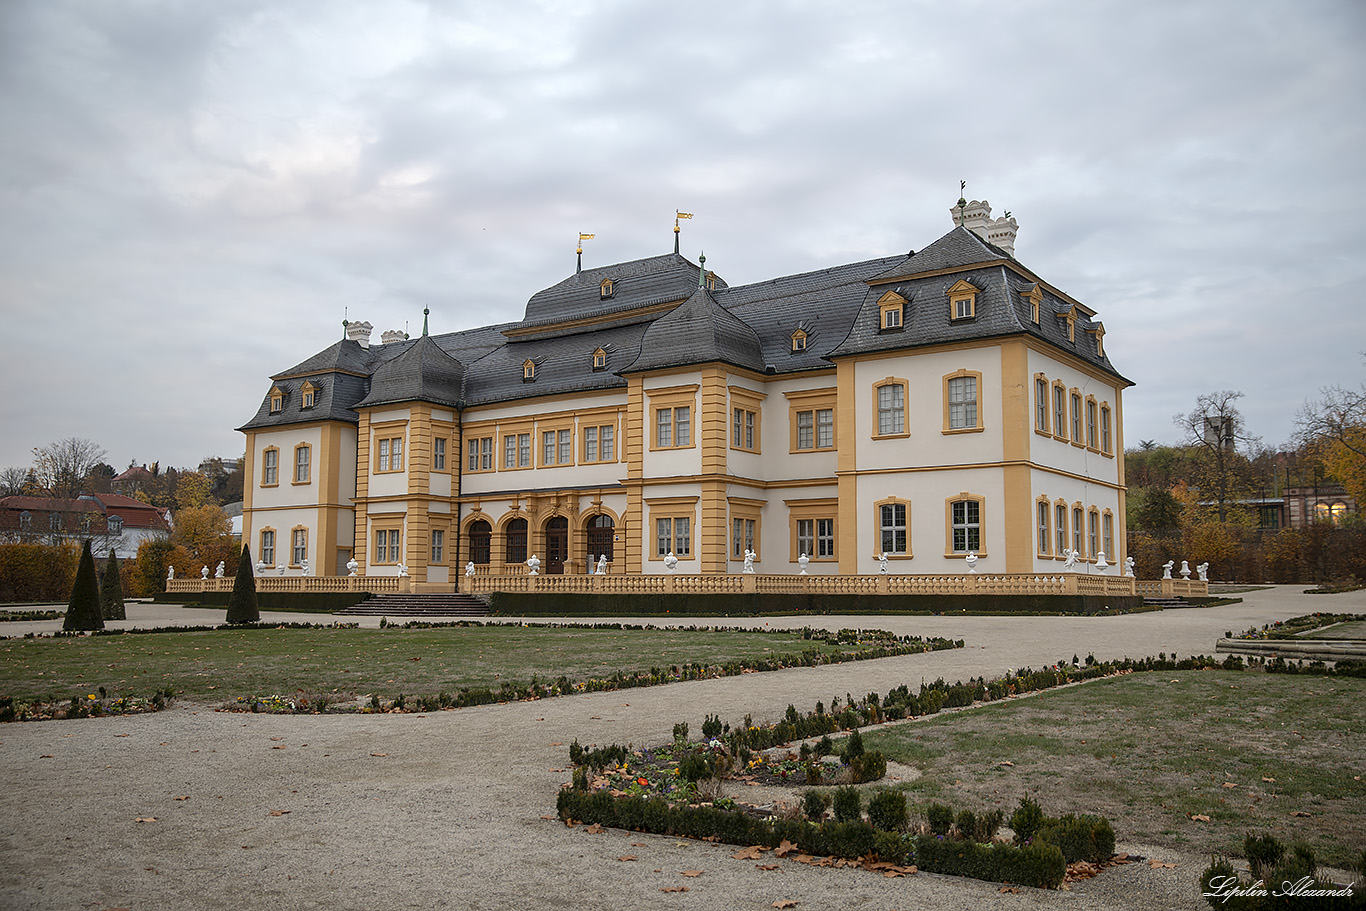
(785, 903)
(186, 797)
(692, 873)
(1229, 784)
(626, 857)
(1011, 890)
(1300, 813)
(1081, 870)
(280, 812)
(785, 848)
(549, 816)
(753, 852)
(1157, 864)
(1008, 762)
(766, 866)
(1264, 778)
(1199, 817)
(673, 888)
(379, 754)
(594, 829)
(145, 819)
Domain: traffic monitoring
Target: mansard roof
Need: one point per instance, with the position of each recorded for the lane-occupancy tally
(637, 284)
(960, 247)
(422, 372)
(701, 331)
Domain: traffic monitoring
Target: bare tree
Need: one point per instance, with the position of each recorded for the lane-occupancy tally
(12, 481)
(1334, 427)
(62, 466)
(1214, 431)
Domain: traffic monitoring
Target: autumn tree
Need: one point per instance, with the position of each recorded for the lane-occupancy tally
(61, 467)
(192, 489)
(242, 605)
(1213, 432)
(1335, 427)
(83, 610)
(206, 532)
(111, 590)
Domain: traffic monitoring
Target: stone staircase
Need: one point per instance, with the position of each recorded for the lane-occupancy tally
(417, 607)
(1166, 603)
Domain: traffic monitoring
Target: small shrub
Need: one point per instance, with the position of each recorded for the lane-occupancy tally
(681, 732)
(986, 825)
(1263, 852)
(869, 767)
(940, 818)
(966, 822)
(1080, 837)
(848, 804)
(814, 805)
(814, 775)
(711, 727)
(694, 767)
(1026, 820)
(576, 752)
(825, 746)
(887, 810)
(853, 746)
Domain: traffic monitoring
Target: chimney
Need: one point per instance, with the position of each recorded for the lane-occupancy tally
(359, 332)
(976, 217)
(389, 336)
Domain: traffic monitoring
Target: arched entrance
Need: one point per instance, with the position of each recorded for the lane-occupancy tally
(601, 530)
(556, 545)
(481, 541)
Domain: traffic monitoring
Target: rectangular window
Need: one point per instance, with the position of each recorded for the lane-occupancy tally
(1076, 418)
(742, 429)
(891, 318)
(1060, 515)
(301, 459)
(548, 447)
(742, 537)
(1091, 424)
(607, 434)
(682, 537)
(1105, 430)
(271, 474)
(825, 428)
(1092, 533)
(439, 454)
(736, 436)
(523, 450)
(480, 454)
(590, 444)
(891, 409)
(967, 526)
(673, 536)
(825, 538)
(806, 430)
(962, 402)
(1077, 531)
(268, 548)
(893, 526)
(566, 447)
(1041, 405)
(806, 537)
(387, 545)
(300, 547)
(1043, 526)
(1059, 411)
(438, 545)
(664, 428)
(683, 425)
(673, 427)
(598, 443)
(510, 451)
(390, 454)
(962, 308)
(1108, 535)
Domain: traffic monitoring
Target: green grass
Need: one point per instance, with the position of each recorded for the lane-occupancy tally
(1352, 630)
(229, 663)
(1150, 750)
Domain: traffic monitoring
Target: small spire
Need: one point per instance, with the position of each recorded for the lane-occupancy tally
(425, 311)
(702, 271)
(582, 238)
(678, 213)
(962, 201)
(345, 323)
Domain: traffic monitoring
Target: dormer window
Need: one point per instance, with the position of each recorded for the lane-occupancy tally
(798, 341)
(892, 308)
(528, 371)
(309, 395)
(608, 288)
(277, 400)
(600, 359)
(1099, 333)
(962, 301)
(711, 281)
(1035, 298)
(115, 525)
(1071, 325)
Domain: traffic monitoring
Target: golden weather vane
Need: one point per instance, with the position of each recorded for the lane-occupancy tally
(582, 238)
(678, 214)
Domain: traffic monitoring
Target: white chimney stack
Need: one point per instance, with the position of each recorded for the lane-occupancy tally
(389, 336)
(976, 217)
(359, 332)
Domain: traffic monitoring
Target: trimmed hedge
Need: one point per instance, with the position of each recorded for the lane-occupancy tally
(1038, 865)
(37, 572)
(296, 602)
(513, 604)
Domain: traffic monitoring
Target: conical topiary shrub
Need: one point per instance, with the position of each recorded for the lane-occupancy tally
(242, 606)
(111, 590)
(83, 610)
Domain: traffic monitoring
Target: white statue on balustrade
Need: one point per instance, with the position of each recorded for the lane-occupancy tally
(219, 571)
(204, 573)
(303, 566)
(281, 570)
(1203, 570)
(602, 565)
(749, 561)
(402, 570)
(1129, 567)
(1167, 569)
(352, 567)
(802, 560)
(170, 573)
(1070, 563)
(670, 562)
(533, 565)
(882, 564)
(260, 567)
(469, 568)
(1101, 565)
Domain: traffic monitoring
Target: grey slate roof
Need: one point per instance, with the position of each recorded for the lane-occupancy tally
(749, 326)
(700, 331)
(638, 283)
(422, 373)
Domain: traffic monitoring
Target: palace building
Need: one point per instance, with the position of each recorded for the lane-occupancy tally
(925, 406)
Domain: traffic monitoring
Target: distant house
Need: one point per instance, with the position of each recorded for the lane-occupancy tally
(1298, 507)
(111, 521)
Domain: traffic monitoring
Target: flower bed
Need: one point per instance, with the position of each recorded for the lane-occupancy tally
(91, 705)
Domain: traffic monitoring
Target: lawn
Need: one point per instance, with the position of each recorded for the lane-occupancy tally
(214, 664)
(1249, 750)
(1353, 629)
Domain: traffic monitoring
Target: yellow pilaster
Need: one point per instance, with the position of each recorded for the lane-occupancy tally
(1018, 518)
(846, 442)
(634, 448)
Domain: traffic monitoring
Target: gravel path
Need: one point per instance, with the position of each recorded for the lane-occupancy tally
(445, 810)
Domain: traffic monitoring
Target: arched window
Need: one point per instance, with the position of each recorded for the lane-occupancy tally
(516, 541)
(481, 541)
(601, 530)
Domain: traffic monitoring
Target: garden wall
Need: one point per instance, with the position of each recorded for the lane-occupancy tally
(743, 605)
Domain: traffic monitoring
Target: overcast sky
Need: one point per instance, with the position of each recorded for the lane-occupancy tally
(194, 194)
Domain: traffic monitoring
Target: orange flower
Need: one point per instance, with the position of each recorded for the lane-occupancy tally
(644, 783)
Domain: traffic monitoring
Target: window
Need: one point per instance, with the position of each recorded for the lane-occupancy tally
(816, 429)
(967, 526)
(1041, 404)
(54, 521)
(890, 402)
(1077, 530)
(481, 542)
(742, 430)
(960, 396)
(742, 537)
(528, 371)
(387, 545)
(798, 341)
(600, 359)
(1076, 419)
(439, 454)
(816, 538)
(517, 450)
(115, 525)
(299, 552)
(438, 545)
(1091, 441)
(25, 520)
(523, 450)
(302, 457)
(746, 418)
(673, 536)
(1060, 516)
(277, 400)
(1059, 411)
(390, 454)
(1105, 445)
(557, 447)
(962, 300)
(1043, 508)
(1092, 533)
(673, 427)
(268, 546)
(309, 395)
(1108, 534)
(479, 454)
(893, 537)
(599, 443)
(270, 468)
(607, 289)
(515, 540)
(892, 312)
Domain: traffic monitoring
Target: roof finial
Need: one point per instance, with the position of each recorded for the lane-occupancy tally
(678, 213)
(962, 202)
(582, 238)
(344, 322)
(425, 311)
(702, 271)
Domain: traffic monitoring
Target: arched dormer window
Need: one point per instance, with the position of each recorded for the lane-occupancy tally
(600, 359)
(115, 525)
(277, 400)
(607, 289)
(528, 371)
(799, 341)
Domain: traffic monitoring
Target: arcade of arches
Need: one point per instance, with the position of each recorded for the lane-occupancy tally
(560, 545)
